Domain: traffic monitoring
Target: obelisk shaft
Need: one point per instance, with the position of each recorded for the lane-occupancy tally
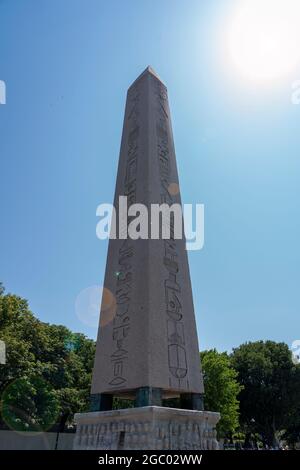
(147, 336)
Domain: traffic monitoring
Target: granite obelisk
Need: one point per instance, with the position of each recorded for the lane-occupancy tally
(147, 347)
(147, 343)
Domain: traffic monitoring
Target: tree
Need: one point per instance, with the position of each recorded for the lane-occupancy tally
(291, 433)
(270, 388)
(46, 354)
(29, 404)
(221, 390)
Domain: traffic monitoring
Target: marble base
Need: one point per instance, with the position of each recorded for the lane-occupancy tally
(146, 428)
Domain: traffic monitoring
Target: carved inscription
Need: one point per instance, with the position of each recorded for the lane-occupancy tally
(124, 275)
(175, 328)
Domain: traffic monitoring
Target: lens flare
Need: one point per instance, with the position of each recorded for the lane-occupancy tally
(87, 305)
(173, 189)
(29, 404)
(264, 38)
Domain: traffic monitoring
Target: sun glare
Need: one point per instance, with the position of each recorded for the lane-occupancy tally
(264, 38)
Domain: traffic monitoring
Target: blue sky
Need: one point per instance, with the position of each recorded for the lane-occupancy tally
(67, 65)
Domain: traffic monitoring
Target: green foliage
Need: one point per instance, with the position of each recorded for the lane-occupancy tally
(271, 391)
(35, 350)
(221, 390)
(29, 404)
(292, 434)
(292, 419)
(47, 376)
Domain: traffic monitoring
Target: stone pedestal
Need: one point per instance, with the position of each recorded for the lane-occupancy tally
(147, 428)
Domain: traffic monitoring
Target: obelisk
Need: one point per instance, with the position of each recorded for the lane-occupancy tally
(147, 348)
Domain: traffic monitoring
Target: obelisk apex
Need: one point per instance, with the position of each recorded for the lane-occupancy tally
(147, 346)
(148, 70)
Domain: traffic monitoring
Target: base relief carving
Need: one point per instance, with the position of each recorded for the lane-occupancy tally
(147, 428)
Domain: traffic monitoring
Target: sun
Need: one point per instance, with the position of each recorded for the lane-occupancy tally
(264, 38)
